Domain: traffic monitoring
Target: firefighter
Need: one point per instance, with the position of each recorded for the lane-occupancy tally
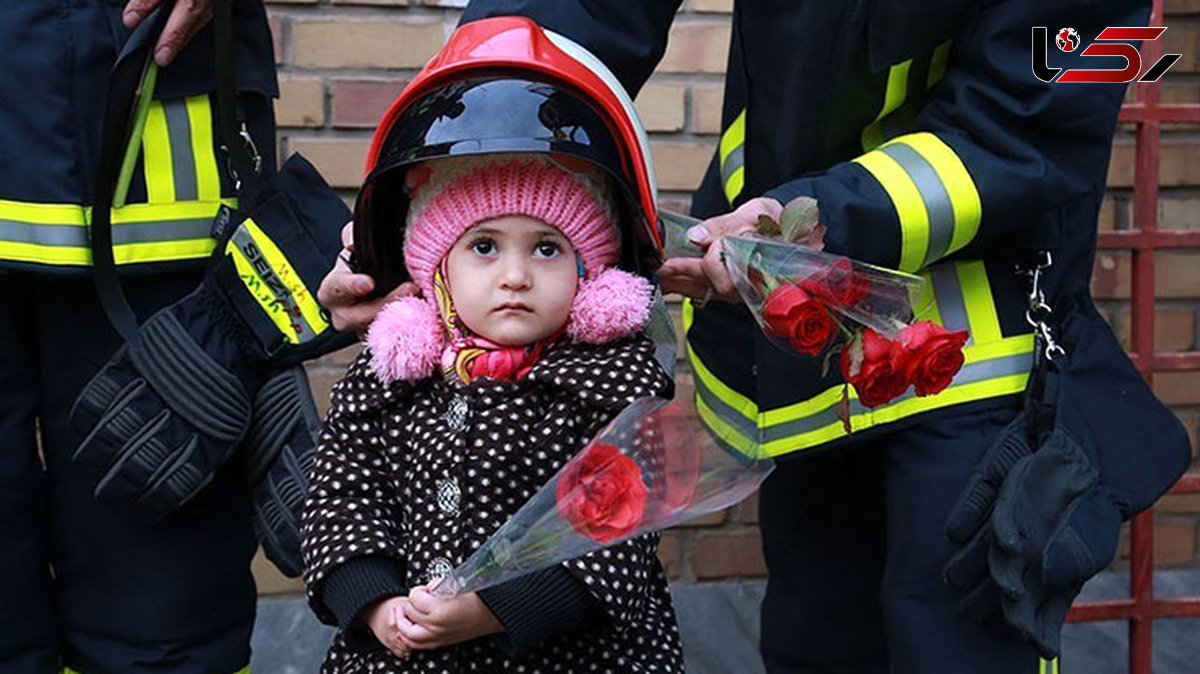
(85, 587)
(931, 147)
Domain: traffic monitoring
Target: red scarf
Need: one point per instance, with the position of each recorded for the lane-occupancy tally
(469, 356)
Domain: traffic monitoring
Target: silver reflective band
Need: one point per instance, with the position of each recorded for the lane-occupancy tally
(933, 193)
(735, 161)
(972, 372)
(183, 161)
(76, 236)
(948, 293)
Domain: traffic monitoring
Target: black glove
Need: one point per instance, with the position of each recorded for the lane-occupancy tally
(279, 453)
(170, 407)
(1052, 526)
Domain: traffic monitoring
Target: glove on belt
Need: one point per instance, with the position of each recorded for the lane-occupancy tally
(1034, 526)
(1042, 512)
(279, 454)
(173, 403)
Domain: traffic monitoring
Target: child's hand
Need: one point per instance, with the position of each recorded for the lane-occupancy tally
(427, 622)
(381, 618)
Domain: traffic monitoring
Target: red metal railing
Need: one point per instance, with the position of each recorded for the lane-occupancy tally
(1142, 607)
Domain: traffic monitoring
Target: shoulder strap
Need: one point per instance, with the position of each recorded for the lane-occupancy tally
(130, 83)
(124, 89)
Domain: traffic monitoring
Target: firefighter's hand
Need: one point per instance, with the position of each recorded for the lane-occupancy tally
(343, 292)
(187, 18)
(381, 619)
(706, 278)
(429, 622)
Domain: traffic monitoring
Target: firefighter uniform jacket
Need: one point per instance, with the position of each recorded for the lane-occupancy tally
(55, 77)
(930, 146)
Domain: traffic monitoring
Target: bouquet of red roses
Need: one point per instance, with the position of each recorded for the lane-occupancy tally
(815, 302)
(812, 303)
(655, 465)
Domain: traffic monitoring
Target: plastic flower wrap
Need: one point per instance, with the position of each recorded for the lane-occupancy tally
(654, 466)
(813, 303)
(818, 304)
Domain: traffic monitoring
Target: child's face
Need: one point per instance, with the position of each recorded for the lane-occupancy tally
(512, 279)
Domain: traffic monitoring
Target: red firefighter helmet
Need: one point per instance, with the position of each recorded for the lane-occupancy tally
(505, 85)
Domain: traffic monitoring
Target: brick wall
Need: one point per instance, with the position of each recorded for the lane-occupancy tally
(341, 62)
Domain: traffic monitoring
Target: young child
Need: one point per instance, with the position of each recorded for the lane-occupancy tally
(525, 343)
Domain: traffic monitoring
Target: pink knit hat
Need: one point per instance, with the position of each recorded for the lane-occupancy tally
(451, 195)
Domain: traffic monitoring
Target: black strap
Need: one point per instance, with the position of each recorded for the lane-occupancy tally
(120, 104)
(232, 128)
(118, 112)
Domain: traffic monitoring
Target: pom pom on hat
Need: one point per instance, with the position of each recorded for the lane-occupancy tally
(614, 304)
(406, 340)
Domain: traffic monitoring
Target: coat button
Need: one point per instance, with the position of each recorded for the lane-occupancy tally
(455, 415)
(447, 497)
(439, 568)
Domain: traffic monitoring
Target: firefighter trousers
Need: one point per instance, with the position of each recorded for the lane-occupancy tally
(855, 546)
(82, 586)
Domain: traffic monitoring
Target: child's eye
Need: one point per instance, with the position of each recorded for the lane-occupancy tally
(546, 250)
(484, 248)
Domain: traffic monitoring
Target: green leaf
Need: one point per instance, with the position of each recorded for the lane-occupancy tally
(799, 218)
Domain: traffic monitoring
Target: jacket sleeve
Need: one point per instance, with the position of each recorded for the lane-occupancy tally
(629, 37)
(995, 153)
(351, 529)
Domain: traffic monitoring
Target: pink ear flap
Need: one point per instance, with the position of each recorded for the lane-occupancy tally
(612, 305)
(406, 341)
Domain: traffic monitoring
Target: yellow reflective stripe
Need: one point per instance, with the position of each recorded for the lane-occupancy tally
(41, 214)
(980, 304)
(161, 251)
(138, 245)
(122, 254)
(733, 186)
(736, 401)
(264, 295)
(999, 349)
(725, 431)
(937, 64)
(990, 388)
(208, 180)
(277, 302)
(734, 136)
(30, 252)
(180, 210)
(133, 149)
(156, 154)
(732, 156)
(910, 207)
(964, 197)
(289, 277)
(1010, 377)
(1048, 666)
(897, 91)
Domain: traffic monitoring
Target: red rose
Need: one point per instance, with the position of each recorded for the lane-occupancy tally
(934, 355)
(601, 493)
(838, 284)
(880, 375)
(790, 313)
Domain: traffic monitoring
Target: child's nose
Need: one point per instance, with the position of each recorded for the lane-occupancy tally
(516, 274)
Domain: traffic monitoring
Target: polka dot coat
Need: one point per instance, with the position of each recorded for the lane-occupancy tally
(423, 472)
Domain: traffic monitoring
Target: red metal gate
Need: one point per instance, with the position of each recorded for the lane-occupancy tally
(1142, 607)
